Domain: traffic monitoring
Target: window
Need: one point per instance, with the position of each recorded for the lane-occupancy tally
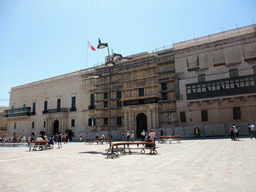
(201, 78)
(92, 104)
(72, 122)
(204, 114)
(73, 102)
(141, 91)
(254, 69)
(236, 113)
(33, 125)
(44, 124)
(164, 96)
(164, 86)
(118, 95)
(119, 120)
(105, 121)
(34, 107)
(45, 105)
(118, 103)
(14, 126)
(170, 117)
(233, 73)
(182, 117)
(91, 122)
(24, 105)
(58, 104)
(105, 96)
(105, 104)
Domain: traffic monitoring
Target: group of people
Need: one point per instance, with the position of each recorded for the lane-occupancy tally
(145, 136)
(129, 136)
(13, 139)
(101, 139)
(234, 132)
(58, 138)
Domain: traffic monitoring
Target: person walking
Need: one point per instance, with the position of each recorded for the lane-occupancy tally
(128, 136)
(132, 136)
(59, 141)
(237, 130)
(249, 129)
(123, 136)
(143, 135)
(64, 138)
(232, 133)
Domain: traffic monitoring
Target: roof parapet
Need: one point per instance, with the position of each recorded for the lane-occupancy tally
(215, 37)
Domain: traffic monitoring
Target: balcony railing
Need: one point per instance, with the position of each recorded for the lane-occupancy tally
(222, 87)
(72, 109)
(56, 110)
(25, 111)
(90, 107)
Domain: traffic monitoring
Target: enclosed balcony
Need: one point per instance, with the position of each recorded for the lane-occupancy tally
(25, 111)
(222, 87)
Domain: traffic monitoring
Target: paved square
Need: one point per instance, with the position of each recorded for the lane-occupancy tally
(192, 165)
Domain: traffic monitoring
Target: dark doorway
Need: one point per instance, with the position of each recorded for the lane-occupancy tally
(141, 124)
(70, 133)
(56, 127)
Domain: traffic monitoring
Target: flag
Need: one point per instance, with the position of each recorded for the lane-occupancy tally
(91, 47)
(99, 41)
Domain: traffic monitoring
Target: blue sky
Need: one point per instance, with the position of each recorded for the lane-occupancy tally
(40, 39)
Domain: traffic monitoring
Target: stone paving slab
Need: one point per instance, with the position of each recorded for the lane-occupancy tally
(192, 165)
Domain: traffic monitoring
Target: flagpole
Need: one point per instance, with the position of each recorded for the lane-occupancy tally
(87, 54)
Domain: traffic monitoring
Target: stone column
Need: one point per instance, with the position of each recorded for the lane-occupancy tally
(130, 120)
(154, 118)
(125, 119)
(149, 119)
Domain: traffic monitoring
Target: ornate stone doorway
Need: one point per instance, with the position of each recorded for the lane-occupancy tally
(56, 127)
(141, 124)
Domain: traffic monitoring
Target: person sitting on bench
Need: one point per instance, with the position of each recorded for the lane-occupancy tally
(148, 139)
(51, 140)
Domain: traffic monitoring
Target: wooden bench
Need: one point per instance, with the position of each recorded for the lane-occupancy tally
(115, 149)
(163, 139)
(99, 140)
(40, 145)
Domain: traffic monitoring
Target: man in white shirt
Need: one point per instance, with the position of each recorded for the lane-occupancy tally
(39, 138)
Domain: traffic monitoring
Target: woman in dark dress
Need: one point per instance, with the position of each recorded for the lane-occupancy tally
(232, 133)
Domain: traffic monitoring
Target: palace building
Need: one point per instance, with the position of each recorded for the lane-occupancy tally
(208, 80)
(217, 78)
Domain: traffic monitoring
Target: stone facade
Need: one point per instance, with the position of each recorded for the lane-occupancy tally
(204, 81)
(142, 94)
(3, 124)
(217, 78)
(49, 106)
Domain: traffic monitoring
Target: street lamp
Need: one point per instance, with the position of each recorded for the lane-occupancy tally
(110, 63)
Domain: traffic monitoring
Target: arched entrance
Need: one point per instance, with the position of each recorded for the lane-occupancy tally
(56, 127)
(141, 124)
